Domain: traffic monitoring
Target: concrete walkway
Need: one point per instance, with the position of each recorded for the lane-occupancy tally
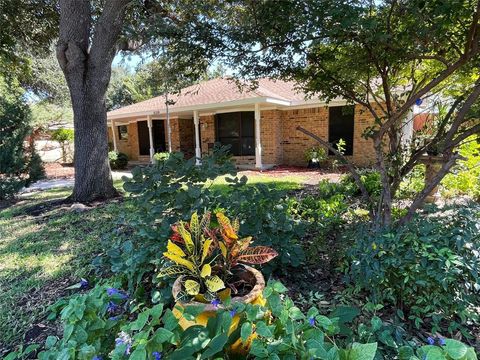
(66, 182)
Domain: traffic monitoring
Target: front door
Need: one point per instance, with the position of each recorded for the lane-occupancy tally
(143, 138)
(158, 129)
(158, 132)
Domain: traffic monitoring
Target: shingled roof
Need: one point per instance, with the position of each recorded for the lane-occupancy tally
(211, 92)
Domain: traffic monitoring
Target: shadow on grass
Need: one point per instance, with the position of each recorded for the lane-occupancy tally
(37, 252)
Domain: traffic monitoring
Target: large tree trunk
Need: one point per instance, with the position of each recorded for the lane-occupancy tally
(93, 179)
(85, 54)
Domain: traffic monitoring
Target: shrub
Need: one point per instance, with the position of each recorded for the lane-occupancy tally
(369, 177)
(64, 137)
(264, 214)
(316, 154)
(118, 160)
(465, 177)
(429, 271)
(162, 156)
(19, 164)
(161, 194)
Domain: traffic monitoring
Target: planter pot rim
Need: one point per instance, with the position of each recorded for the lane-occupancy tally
(251, 296)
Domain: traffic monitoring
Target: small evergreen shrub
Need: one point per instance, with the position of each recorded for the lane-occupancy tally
(118, 160)
(20, 165)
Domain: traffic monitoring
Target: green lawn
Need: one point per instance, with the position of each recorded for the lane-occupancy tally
(45, 247)
(42, 251)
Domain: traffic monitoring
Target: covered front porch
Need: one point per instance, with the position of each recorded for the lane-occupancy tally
(195, 132)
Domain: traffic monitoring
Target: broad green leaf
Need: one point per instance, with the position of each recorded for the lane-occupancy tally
(246, 331)
(363, 351)
(455, 349)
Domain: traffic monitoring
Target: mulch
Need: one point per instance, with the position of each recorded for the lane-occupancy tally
(59, 171)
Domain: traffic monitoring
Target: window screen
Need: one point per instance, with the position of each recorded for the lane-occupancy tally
(237, 130)
(122, 132)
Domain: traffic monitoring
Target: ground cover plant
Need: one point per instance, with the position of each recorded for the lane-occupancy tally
(125, 306)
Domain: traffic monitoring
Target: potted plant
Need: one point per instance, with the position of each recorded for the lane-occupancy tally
(210, 263)
(315, 156)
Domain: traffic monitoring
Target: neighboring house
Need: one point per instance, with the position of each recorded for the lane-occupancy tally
(259, 124)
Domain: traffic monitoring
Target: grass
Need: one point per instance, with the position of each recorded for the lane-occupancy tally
(44, 248)
(42, 254)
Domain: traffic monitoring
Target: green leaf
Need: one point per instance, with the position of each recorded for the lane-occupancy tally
(345, 313)
(455, 349)
(295, 313)
(363, 351)
(138, 354)
(279, 287)
(435, 353)
(246, 331)
(405, 353)
(263, 330)
(162, 335)
(215, 346)
(376, 323)
(140, 322)
(50, 342)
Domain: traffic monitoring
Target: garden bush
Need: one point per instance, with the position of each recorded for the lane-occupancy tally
(465, 176)
(118, 160)
(107, 323)
(264, 214)
(369, 177)
(429, 270)
(20, 165)
(172, 190)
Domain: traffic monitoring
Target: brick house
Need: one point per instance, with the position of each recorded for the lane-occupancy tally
(260, 124)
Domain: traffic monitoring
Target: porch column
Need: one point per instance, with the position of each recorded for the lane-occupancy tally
(114, 136)
(196, 122)
(150, 137)
(258, 144)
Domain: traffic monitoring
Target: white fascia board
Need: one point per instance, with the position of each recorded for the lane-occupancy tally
(211, 107)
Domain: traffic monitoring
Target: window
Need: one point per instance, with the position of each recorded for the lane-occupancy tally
(122, 132)
(340, 126)
(238, 130)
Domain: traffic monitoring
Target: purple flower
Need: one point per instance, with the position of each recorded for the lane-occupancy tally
(232, 313)
(215, 303)
(127, 350)
(116, 292)
(156, 355)
(83, 283)
(441, 341)
(418, 102)
(112, 307)
(124, 339)
(97, 357)
(430, 341)
(311, 321)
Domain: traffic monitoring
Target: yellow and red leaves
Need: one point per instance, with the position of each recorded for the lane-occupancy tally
(226, 229)
(257, 255)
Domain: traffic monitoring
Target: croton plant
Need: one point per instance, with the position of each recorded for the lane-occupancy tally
(208, 256)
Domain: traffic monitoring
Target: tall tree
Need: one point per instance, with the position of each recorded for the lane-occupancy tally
(91, 33)
(383, 55)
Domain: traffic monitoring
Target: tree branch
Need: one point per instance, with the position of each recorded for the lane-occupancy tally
(348, 164)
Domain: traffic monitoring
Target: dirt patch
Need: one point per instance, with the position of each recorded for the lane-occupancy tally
(41, 328)
(312, 176)
(59, 171)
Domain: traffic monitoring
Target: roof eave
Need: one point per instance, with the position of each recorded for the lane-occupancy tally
(200, 107)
